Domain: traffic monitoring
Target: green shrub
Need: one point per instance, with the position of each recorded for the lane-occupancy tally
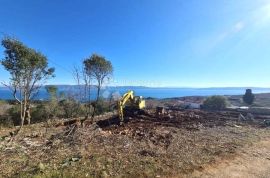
(215, 103)
(71, 108)
(37, 114)
(40, 113)
(101, 107)
(6, 121)
(14, 114)
(4, 106)
(2, 102)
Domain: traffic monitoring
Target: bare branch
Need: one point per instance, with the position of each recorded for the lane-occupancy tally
(13, 90)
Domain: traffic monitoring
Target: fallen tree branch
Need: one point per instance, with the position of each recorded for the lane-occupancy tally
(71, 130)
(70, 122)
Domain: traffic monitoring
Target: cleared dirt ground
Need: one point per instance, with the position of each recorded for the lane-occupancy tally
(249, 162)
(184, 143)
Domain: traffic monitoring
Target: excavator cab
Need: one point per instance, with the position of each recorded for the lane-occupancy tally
(138, 102)
(130, 103)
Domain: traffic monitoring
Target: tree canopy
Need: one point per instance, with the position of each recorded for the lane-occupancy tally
(28, 69)
(26, 66)
(98, 67)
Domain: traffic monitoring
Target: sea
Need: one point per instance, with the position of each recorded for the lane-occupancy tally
(159, 93)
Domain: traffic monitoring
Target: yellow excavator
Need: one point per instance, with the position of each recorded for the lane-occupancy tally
(131, 102)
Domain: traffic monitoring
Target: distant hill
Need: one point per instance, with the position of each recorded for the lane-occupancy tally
(143, 87)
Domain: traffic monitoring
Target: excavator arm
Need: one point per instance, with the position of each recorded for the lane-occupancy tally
(126, 97)
(135, 103)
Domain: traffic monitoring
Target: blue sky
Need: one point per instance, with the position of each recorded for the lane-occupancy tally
(194, 43)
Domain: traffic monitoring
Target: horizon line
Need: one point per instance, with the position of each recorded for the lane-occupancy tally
(188, 87)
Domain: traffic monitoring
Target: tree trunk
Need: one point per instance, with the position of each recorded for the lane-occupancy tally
(22, 118)
(23, 114)
(21, 106)
(89, 100)
(98, 93)
(88, 88)
(28, 115)
(25, 105)
(97, 100)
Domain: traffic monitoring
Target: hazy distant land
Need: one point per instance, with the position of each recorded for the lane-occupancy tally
(153, 92)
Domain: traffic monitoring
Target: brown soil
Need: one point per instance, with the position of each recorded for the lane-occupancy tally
(180, 143)
(250, 162)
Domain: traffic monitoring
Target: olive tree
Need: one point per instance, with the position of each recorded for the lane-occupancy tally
(28, 69)
(98, 69)
(249, 97)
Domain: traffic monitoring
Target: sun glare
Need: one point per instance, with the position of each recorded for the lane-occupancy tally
(266, 12)
(262, 16)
